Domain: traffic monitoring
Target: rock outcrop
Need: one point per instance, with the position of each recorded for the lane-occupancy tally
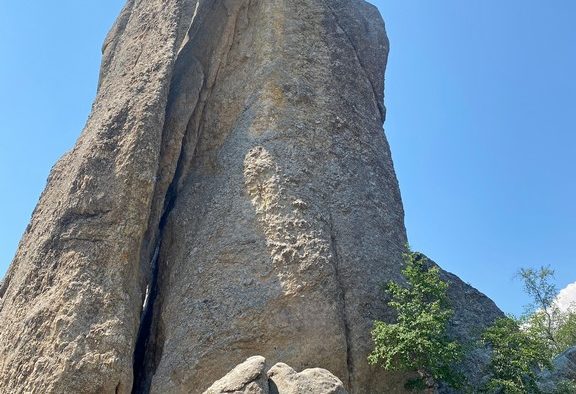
(285, 380)
(71, 300)
(565, 365)
(251, 377)
(563, 373)
(233, 193)
(247, 378)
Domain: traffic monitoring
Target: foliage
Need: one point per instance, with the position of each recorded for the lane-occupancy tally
(516, 357)
(565, 387)
(566, 330)
(523, 347)
(417, 341)
(544, 319)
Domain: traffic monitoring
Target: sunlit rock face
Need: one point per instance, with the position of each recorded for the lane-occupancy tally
(232, 194)
(254, 376)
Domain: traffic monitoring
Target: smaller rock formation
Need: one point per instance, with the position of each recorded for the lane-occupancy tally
(565, 364)
(250, 378)
(564, 369)
(285, 380)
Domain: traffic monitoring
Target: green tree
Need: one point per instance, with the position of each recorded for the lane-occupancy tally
(417, 341)
(543, 318)
(516, 358)
(522, 347)
(566, 331)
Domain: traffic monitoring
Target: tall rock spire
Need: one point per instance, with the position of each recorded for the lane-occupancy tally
(286, 214)
(232, 194)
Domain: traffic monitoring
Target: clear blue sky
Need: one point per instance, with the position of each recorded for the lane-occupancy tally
(481, 121)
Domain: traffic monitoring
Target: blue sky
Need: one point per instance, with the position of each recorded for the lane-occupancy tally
(481, 121)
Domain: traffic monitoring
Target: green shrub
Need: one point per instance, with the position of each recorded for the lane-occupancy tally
(516, 358)
(417, 342)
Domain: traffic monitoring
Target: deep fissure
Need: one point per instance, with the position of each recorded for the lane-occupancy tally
(146, 348)
(148, 345)
(145, 328)
(142, 369)
(343, 311)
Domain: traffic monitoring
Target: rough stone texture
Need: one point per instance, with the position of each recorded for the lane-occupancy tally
(232, 194)
(564, 369)
(285, 380)
(247, 378)
(250, 377)
(70, 303)
(565, 364)
(275, 244)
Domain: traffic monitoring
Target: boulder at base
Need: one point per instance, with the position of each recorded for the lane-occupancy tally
(250, 378)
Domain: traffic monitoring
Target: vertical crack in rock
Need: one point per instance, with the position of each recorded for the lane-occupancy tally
(190, 90)
(140, 350)
(146, 342)
(187, 82)
(343, 311)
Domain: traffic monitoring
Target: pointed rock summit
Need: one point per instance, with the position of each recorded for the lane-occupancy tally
(232, 194)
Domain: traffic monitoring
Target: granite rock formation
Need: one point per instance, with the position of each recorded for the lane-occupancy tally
(247, 378)
(563, 370)
(285, 380)
(565, 364)
(232, 194)
(251, 377)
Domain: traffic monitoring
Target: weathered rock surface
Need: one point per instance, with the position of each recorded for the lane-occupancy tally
(285, 380)
(232, 194)
(565, 364)
(71, 301)
(247, 378)
(275, 245)
(250, 377)
(564, 369)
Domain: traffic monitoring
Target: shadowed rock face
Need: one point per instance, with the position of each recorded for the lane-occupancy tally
(232, 194)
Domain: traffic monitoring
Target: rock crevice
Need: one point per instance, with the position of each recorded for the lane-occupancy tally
(190, 88)
(343, 311)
